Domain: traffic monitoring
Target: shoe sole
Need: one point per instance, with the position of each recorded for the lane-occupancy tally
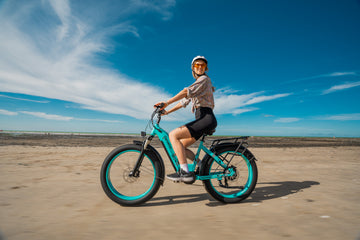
(185, 180)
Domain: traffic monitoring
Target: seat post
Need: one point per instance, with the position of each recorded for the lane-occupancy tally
(203, 137)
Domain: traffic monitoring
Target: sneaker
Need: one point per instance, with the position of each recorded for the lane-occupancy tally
(182, 176)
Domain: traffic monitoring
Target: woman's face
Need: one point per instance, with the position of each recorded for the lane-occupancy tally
(199, 67)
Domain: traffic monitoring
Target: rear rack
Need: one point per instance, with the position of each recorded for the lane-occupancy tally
(241, 140)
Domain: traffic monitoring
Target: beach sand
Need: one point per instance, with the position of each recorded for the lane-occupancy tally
(54, 192)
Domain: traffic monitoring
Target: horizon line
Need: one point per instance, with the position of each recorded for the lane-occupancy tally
(66, 133)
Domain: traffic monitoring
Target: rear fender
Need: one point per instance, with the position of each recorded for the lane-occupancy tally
(159, 159)
(218, 148)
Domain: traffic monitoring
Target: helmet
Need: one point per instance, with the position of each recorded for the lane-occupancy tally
(198, 58)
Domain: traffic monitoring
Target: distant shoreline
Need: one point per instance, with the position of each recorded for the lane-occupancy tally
(52, 139)
(18, 132)
(66, 133)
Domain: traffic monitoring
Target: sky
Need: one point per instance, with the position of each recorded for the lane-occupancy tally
(280, 68)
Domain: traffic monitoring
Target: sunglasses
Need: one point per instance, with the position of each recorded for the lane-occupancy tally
(197, 65)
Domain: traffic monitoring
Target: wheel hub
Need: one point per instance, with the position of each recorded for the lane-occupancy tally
(129, 177)
(235, 175)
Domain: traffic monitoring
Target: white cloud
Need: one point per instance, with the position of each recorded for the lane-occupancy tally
(54, 58)
(54, 116)
(342, 117)
(159, 6)
(24, 99)
(47, 116)
(266, 98)
(243, 110)
(226, 91)
(341, 87)
(63, 11)
(337, 74)
(287, 120)
(98, 120)
(8, 113)
(235, 104)
(327, 75)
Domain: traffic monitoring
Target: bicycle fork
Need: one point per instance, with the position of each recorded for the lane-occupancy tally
(136, 172)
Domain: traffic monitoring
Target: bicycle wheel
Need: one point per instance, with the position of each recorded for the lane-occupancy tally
(233, 188)
(124, 189)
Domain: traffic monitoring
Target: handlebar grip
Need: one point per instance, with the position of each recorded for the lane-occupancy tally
(161, 105)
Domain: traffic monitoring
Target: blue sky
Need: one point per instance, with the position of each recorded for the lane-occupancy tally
(281, 68)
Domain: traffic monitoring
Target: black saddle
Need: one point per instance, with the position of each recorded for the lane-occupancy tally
(209, 132)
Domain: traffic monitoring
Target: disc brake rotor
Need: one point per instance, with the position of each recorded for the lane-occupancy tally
(127, 177)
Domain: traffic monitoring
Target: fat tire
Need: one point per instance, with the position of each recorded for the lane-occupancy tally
(155, 186)
(248, 157)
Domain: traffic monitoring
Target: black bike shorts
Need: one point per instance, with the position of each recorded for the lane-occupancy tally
(205, 122)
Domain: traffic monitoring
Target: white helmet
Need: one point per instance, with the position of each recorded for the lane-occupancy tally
(198, 58)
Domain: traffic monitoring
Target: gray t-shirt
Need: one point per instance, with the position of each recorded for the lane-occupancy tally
(200, 93)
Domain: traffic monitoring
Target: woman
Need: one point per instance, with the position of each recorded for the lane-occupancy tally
(200, 93)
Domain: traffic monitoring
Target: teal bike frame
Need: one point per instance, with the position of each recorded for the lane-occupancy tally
(164, 138)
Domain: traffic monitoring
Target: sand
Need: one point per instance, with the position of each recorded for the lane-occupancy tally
(302, 193)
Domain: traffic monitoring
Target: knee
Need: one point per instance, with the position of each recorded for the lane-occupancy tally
(173, 135)
(179, 134)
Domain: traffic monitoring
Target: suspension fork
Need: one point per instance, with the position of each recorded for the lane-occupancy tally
(135, 172)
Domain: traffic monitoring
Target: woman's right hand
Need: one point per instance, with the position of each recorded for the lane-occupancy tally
(165, 104)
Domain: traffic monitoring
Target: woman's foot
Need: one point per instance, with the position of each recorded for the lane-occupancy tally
(182, 176)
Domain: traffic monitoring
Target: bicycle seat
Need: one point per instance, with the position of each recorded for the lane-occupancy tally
(209, 132)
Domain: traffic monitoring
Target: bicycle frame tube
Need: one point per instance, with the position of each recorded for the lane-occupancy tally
(219, 175)
(206, 150)
(213, 155)
(164, 138)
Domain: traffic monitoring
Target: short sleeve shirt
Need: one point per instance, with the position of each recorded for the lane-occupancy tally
(200, 93)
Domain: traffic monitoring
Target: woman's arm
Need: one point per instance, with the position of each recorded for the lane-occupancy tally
(177, 97)
(183, 93)
(177, 107)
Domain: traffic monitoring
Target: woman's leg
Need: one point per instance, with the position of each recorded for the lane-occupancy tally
(186, 143)
(180, 138)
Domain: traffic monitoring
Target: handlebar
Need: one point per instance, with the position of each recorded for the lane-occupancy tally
(158, 112)
(151, 121)
(161, 105)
